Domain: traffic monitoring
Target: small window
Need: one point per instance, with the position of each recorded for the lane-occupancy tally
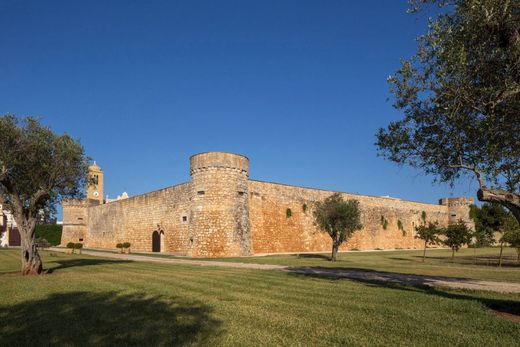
(201, 192)
(80, 240)
(79, 218)
(184, 218)
(454, 215)
(241, 193)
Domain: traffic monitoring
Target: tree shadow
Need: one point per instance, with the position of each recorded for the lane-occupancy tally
(107, 319)
(411, 283)
(313, 256)
(66, 263)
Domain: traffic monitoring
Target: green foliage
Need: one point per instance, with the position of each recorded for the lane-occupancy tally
(423, 216)
(489, 219)
(339, 218)
(78, 245)
(70, 245)
(119, 245)
(456, 235)
(460, 96)
(126, 244)
(304, 208)
(42, 243)
(429, 233)
(50, 232)
(401, 227)
(288, 213)
(384, 222)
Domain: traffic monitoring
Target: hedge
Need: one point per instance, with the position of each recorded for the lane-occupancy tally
(50, 232)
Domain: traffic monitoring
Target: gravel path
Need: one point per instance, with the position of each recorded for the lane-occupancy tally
(362, 275)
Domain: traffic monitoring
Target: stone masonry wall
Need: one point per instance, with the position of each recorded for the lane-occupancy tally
(135, 219)
(274, 231)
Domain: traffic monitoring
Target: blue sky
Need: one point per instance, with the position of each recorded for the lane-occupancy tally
(297, 86)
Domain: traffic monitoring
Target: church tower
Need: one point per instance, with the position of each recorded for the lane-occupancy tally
(95, 183)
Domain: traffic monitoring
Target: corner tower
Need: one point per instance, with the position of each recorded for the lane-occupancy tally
(95, 183)
(459, 209)
(220, 210)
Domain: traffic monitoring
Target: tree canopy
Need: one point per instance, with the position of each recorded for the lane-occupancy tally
(460, 95)
(339, 218)
(37, 169)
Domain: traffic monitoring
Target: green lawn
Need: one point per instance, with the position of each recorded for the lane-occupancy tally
(438, 262)
(104, 302)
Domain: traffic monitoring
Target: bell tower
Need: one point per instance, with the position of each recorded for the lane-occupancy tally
(95, 183)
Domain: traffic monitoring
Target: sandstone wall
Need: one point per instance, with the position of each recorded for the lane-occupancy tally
(274, 231)
(135, 219)
(75, 219)
(220, 210)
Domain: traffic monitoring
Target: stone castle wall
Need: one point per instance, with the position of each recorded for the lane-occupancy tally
(220, 212)
(273, 230)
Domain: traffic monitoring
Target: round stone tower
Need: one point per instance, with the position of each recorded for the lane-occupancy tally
(220, 212)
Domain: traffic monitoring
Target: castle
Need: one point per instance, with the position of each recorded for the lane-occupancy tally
(221, 212)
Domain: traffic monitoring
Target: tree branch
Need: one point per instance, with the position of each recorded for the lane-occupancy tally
(477, 173)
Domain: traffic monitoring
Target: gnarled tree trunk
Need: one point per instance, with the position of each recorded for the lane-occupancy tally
(335, 247)
(31, 261)
(509, 200)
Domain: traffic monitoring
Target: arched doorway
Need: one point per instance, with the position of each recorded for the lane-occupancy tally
(156, 241)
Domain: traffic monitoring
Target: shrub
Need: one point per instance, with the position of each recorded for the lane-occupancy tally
(401, 227)
(120, 246)
(42, 243)
(304, 208)
(78, 246)
(288, 213)
(384, 222)
(71, 246)
(49, 232)
(127, 245)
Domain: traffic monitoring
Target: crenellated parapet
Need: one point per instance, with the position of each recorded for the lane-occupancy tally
(459, 209)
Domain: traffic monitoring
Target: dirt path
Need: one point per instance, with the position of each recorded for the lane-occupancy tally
(362, 275)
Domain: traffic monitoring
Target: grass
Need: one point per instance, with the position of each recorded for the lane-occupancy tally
(438, 262)
(106, 302)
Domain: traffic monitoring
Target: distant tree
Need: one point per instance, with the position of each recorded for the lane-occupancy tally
(78, 246)
(37, 169)
(460, 95)
(455, 236)
(429, 234)
(510, 229)
(120, 246)
(71, 246)
(512, 237)
(339, 218)
(126, 245)
(485, 225)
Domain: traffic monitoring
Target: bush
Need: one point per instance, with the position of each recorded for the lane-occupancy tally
(120, 246)
(71, 246)
(50, 232)
(127, 245)
(42, 243)
(78, 246)
(288, 213)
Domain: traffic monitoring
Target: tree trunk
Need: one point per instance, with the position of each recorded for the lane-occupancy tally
(509, 200)
(424, 252)
(31, 261)
(453, 255)
(500, 257)
(335, 247)
(518, 255)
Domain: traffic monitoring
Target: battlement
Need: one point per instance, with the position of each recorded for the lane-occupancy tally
(219, 160)
(459, 201)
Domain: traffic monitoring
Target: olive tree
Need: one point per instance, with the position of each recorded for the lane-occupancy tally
(429, 233)
(339, 218)
(37, 169)
(455, 236)
(460, 96)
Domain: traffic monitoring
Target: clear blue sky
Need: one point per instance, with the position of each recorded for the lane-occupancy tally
(297, 86)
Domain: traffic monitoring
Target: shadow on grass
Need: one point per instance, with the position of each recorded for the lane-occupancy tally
(63, 264)
(509, 309)
(507, 261)
(313, 256)
(106, 319)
